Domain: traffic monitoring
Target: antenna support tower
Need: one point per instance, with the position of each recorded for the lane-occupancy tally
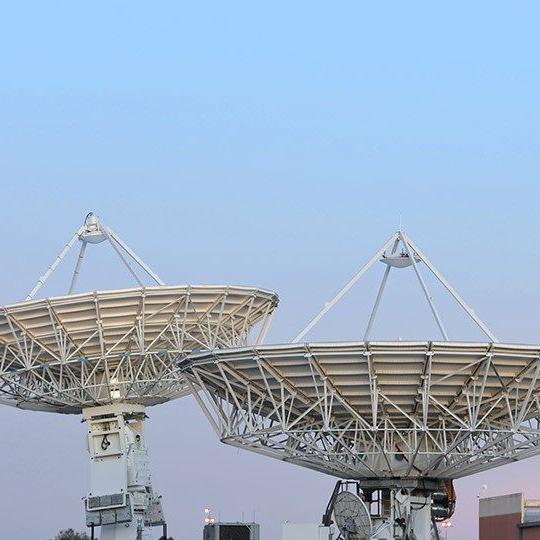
(121, 500)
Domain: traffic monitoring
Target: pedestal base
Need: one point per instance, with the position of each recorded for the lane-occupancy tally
(393, 508)
(121, 500)
(116, 532)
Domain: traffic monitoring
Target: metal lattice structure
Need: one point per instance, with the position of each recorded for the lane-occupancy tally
(376, 410)
(402, 419)
(67, 353)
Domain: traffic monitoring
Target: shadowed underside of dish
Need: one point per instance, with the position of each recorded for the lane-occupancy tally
(376, 409)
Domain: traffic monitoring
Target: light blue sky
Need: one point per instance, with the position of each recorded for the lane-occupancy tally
(275, 145)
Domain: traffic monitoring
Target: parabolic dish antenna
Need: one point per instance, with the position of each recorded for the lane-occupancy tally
(67, 353)
(109, 354)
(380, 409)
(401, 417)
(352, 517)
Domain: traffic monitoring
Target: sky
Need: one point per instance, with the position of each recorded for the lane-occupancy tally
(270, 144)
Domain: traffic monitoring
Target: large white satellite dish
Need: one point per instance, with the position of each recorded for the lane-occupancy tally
(64, 354)
(401, 418)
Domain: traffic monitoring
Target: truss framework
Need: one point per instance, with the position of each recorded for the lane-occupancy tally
(92, 231)
(439, 410)
(411, 255)
(64, 354)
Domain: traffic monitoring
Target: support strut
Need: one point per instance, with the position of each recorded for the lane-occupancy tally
(94, 232)
(411, 256)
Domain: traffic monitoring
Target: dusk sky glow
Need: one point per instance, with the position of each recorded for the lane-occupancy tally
(278, 146)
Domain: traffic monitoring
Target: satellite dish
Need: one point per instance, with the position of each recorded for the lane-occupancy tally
(352, 517)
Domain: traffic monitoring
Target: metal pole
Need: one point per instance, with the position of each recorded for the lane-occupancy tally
(264, 328)
(377, 301)
(77, 267)
(438, 320)
(119, 253)
(470, 312)
(327, 307)
(435, 528)
(134, 256)
(379, 295)
(56, 262)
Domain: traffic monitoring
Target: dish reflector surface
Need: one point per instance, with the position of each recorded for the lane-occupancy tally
(377, 409)
(66, 353)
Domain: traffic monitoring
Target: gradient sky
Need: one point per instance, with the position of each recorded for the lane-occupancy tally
(274, 145)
